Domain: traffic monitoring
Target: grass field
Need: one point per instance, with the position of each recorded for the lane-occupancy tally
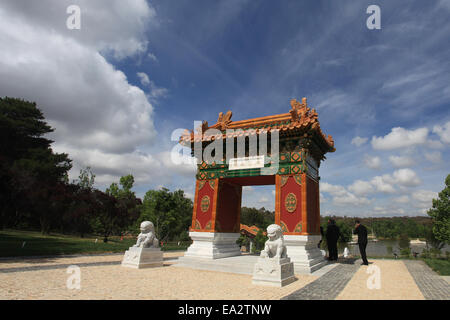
(14, 243)
(441, 266)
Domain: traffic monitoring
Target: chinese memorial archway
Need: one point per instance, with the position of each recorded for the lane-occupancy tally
(233, 154)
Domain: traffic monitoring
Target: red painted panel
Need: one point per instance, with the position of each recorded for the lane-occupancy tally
(312, 204)
(252, 181)
(204, 217)
(228, 208)
(290, 219)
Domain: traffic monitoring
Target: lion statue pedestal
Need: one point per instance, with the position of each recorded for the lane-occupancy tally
(273, 267)
(146, 252)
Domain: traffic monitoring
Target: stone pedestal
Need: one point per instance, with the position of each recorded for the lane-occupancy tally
(304, 253)
(213, 245)
(139, 258)
(273, 272)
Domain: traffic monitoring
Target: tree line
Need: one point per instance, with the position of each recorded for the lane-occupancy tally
(35, 191)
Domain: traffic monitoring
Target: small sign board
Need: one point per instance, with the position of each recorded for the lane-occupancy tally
(246, 163)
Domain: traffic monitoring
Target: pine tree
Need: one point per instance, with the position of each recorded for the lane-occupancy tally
(32, 176)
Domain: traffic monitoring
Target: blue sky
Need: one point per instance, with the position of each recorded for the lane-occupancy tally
(137, 70)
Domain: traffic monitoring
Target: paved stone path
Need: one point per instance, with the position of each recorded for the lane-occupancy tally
(328, 286)
(382, 280)
(432, 286)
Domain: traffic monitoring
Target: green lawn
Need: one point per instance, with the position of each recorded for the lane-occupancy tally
(36, 244)
(441, 266)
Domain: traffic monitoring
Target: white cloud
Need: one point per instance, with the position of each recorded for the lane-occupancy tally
(343, 197)
(402, 199)
(155, 91)
(100, 119)
(400, 138)
(401, 161)
(257, 197)
(146, 168)
(152, 57)
(358, 141)
(423, 198)
(434, 144)
(372, 162)
(383, 183)
(112, 27)
(361, 188)
(443, 132)
(350, 199)
(389, 211)
(323, 199)
(406, 178)
(399, 180)
(143, 77)
(334, 190)
(435, 157)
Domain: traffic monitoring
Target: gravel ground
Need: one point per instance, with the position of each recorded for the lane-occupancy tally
(103, 278)
(396, 283)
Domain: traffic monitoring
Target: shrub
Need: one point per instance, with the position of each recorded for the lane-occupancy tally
(435, 252)
(260, 241)
(405, 252)
(403, 241)
(425, 254)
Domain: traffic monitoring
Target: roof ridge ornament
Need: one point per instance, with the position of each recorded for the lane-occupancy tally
(201, 129)
(298, 110)
(223, 120)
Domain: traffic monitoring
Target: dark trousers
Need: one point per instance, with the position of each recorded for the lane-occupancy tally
(362, 250)
(333, 251)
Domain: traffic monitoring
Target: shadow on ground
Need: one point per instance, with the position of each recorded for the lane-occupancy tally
(344, 261)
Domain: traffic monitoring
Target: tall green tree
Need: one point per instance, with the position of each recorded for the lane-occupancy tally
(31, 174)
(80, 213)
(440, 213)
(121, 208)
(86, 179)
(170, 212)
(261, 218)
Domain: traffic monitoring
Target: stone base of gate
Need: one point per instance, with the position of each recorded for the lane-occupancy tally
(304, 253)
(213, 245)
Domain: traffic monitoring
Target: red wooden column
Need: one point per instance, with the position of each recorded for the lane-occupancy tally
(205, 204)
(297, 204)
(312, 205)
(288, 204)
(217, 206)
(215, 220)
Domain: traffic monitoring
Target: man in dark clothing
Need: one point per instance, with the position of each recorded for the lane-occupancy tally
(361, 231)
(332, 236)
(321, 235)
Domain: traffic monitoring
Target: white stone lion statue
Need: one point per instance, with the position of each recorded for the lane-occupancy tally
(147, 238)
(274, 247)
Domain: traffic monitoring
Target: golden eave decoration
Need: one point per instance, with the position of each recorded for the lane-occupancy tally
(299, 120)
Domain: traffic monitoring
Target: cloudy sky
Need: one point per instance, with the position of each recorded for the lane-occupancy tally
(136, 70)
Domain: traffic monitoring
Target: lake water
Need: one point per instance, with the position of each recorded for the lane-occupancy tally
(380, 248)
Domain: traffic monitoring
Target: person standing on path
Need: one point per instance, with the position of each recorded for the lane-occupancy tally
(332, 235)
(361, 231)
(321, 237)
